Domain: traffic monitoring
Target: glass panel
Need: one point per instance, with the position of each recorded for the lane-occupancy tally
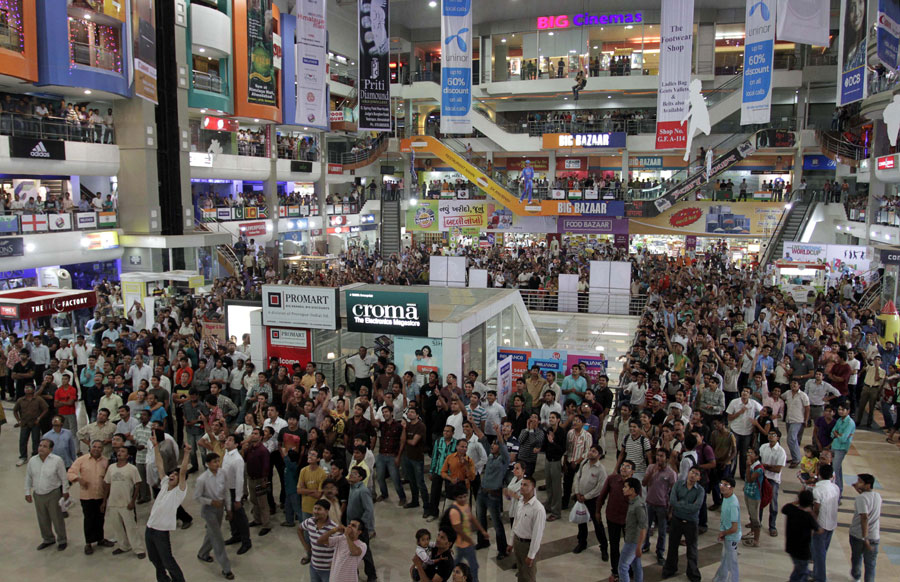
(12, 36)
(491, 343)
(473, 351)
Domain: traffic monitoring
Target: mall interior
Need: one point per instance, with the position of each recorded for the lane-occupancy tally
(456, 186)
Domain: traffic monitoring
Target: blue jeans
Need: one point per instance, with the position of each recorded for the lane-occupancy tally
(493, 502)
(291, 506)
(794, 429)
(838, 464)
(627, 559)
(728, 568)
(415, 472)
(385, 464)
(773, 505)
(658, 514)
(859, 555)
(820, 543)
(801, 570)
(468, 555)
(318, 575)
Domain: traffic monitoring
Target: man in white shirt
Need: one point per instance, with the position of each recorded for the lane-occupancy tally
(820, 392)
(741, 413)
(773, 458)
(64, 352)
(138, 371)
(45, 485)
(797, 415)
(172, 491)
(362, 363)
(550, 405)
(81, 352)
(211, 494)
(828, 497)
(528, 530)
(865, 528)
(233, 467)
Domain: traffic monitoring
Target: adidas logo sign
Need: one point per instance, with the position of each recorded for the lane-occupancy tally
(39, 151)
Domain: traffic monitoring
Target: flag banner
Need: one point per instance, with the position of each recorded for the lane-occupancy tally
(237, 213)
(804, 21)
(676, 43)
(759, 52)
(60, 221)
(374, 50)
(34, 223)
(85, 220)
(456, 66)
(209, 214)
(223, 213)
(106, 218)
(887, 33)
(251, 212)
(312, 96)
(851, 85)
(9, 224)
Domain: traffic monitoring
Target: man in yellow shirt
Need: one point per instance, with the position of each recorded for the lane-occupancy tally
(309, 378)
(309, 484)
(89, 471)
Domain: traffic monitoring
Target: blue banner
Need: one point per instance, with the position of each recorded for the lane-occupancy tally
(9, 224)
(759, 52)
(818, 162)
(456, 66)
(852, 69)
(887, 35)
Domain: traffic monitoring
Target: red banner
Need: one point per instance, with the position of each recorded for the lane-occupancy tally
(32, 304)
(253, 228)
(290, 346)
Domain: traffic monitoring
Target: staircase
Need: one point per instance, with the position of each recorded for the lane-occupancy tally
(789, 228)
(390, 227)
(224, 253)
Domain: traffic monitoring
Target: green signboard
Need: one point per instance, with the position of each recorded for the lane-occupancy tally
(387, 312)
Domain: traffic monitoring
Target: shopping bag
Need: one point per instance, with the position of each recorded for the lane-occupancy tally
(579, 513)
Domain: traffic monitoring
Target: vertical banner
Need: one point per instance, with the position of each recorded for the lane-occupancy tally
(888, 32)
(143, 35)
(759, 52)
(312, 99)
(260, 54)
(374, 50)
(852, 56)
(676, 43)
(804, 21)
(456, 66)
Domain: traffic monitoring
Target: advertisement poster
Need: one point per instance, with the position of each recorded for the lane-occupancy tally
(374, 50)
(848, 259)
(456, 66)
(143, 36)
(712, 218)
(290, 346)
(260, 58)
(501, 219)
(595, 365)
(851, 85)
(804, 21)
(423, 217)
(418, 355)
(797, 252)
(676, 43)
(387, 312)
(504, 380)
(295, 306)
(589, 225)
(759, 52)
(524, 358)
(888, 32)
(213, 334)
(462, 215)
(311, 61)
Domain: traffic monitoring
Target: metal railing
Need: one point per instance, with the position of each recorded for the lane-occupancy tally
(46, 127)
(367, 155)
(834, 142)
(776, 233)
(255, 147)
(286, 152)
(539, 128)
(879, 83)
(582, 302)
(821, 59)
(93, 56)
(206, 82)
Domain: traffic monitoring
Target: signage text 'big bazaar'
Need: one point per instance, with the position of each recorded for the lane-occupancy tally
(587, 19)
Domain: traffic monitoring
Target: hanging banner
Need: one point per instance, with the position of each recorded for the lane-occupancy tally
(759, 52)
(803, 21)
(312, 98)
(677, 37)
(456, 66)
(852, 56)
(374, 50)
(143, 35)
(260, 49)
(888, 32)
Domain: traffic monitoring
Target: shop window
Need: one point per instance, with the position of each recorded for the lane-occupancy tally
(94, 41)
(207, 74)
(12, 35)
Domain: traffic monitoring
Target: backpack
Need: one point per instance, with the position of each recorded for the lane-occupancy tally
(444, 522)
(765, 492)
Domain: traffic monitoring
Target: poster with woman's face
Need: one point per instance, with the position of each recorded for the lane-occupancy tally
(854, 32)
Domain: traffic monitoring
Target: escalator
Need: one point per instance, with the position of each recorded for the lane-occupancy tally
(789, 228)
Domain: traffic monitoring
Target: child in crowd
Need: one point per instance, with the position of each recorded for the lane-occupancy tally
(423, 546)
(809, 466)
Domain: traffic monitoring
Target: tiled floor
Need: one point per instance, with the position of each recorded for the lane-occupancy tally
(277, 556)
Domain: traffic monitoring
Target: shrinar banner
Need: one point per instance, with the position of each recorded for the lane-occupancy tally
(143, 35)
(759, 52)
(706, 218)
(456, 66)
(676, 42)
(261, 81)
(851, 85)
(374, 50)
(804, 21)
(888, 32)
(312, 98)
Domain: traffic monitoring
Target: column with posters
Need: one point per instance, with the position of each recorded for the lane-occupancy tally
(312, 84)
(888, 33)
(143, 36)
(851, 84)
(759, 52)
(456, 66)
(374, 50)
(676, 44)
(261, 80)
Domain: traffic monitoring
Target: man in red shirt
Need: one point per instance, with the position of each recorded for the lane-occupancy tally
(840, 373)
(64, 401)
(616, 508)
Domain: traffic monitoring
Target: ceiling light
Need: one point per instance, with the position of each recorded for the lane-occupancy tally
(432, 4)
(202, 50)
(502, 40)
(599, 348)
(595, 47)
(87, 91)
(551, 33)
(609, 96)
(595, 332)
(255, 121)
(614, 333)
(87, 16)
(565, 98)
(413, 202)
(629, 27)
(29, 248)
(203, 111)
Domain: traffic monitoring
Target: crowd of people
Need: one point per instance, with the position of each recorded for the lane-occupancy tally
(251, 142)
(726, 380)
(887, 213)
(298, 147)
(36, 117)
(34, 202)
(584, 120)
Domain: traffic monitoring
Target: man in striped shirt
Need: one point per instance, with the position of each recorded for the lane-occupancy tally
(475, 412)
(315, 527)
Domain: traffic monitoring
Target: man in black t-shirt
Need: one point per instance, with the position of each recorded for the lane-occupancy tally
(800, 526)
(441, 557)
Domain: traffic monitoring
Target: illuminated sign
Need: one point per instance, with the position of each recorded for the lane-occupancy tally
(201, 160)
(99, 241)
(886, 162)
(587, 19)
(220, 123)
(614, 139)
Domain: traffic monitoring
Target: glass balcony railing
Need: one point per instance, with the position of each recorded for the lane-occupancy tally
(94, 56)
(46, 127)
(209, 82)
